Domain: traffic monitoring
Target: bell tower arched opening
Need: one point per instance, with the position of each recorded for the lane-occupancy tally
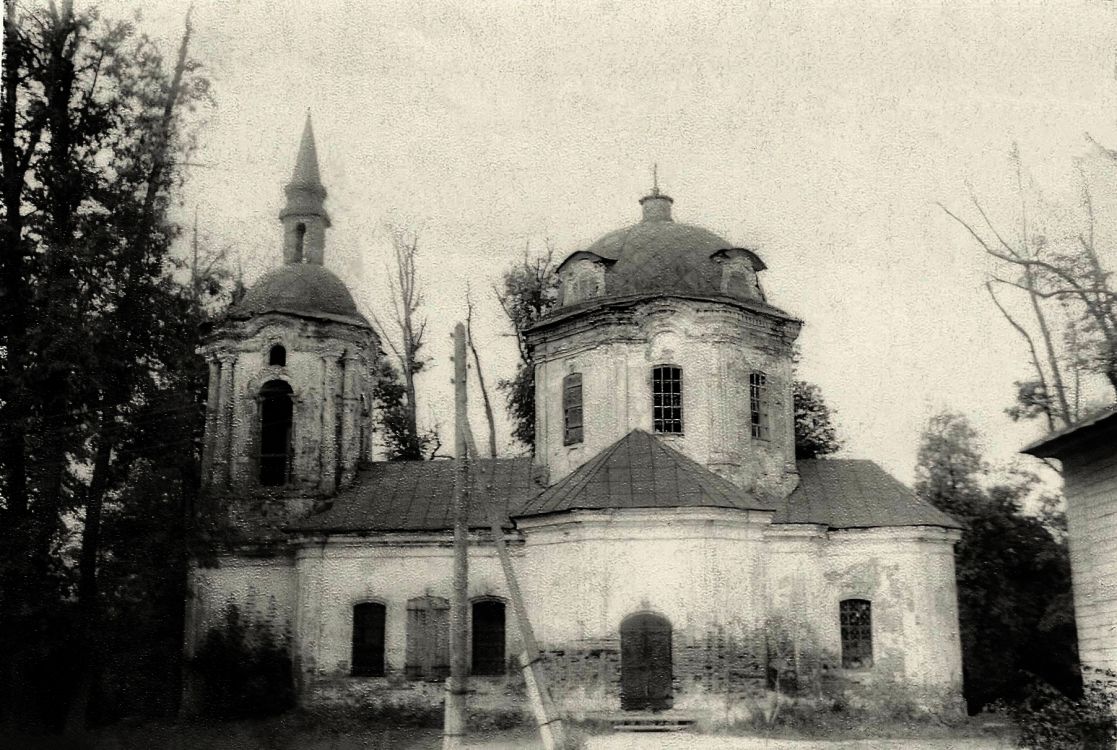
(276, 421)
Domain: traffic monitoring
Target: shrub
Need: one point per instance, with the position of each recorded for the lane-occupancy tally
(1050, 720)
(243, 669)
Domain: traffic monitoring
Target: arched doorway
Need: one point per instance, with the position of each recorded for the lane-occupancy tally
(645, 663)
(276, 412)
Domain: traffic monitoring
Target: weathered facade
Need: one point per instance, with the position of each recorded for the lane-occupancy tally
(1088, 452)
(671, 550)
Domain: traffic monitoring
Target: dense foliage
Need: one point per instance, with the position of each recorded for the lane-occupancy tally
(815, 433)
(101, 394)
(1014, 595)
(527, 292)
(243, 669)
(402, 440)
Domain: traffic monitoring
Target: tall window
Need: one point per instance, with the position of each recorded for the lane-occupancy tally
(277, 356)
(276, 412)
(488, 637)
(368, 639)
(428, 638)
(300, 241)
(667, 399)
(758, 404)
(856, 617)
(572, 409)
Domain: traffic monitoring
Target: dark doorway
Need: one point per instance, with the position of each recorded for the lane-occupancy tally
(276, 412)
(368, 639)
(645, 663)
(488, 637)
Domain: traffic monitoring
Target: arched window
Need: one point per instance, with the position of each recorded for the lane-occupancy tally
(428, 638)
(488, 637)
(572, 409)
(277, 356)
(667, 399)
(300, 240)
(276, 412)
(856, 619)
(368, 639)
(758, 404)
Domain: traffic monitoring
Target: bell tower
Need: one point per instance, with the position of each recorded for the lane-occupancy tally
(290, 368)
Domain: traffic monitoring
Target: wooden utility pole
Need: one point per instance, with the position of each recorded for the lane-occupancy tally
(542, 707)
(453, 725)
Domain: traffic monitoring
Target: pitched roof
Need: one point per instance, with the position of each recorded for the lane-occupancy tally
(418, 496)
(1072, 437)
(849, 493)
(639, 471)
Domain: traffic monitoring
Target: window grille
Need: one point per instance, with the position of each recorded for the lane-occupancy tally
(368, 639)
(428, 638)
(758, 404)
(667, 399)
(856, 620)
(488, 637)
(572, 409)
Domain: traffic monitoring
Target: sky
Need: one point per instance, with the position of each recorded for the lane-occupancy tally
(826, 135)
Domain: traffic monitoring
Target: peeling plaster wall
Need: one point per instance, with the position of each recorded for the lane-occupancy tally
(718, 576)
(908, 575)
(334, 577)
(717, 347)
(261, 588)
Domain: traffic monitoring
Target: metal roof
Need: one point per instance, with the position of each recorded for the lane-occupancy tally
(852, 493)
(1054, 444)
(640, 471)
(418, 496)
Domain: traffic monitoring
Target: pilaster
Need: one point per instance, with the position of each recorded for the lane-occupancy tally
(329, 448)
(223, 447)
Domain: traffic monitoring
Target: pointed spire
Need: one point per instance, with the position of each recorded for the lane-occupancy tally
(304, 217)
(306, 166)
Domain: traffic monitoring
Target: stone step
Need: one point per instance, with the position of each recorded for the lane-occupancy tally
(652, 724)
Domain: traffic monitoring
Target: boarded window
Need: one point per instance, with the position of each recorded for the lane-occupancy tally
(276, 413)
(488, 637)
(667, 399)
(368, 639)
(277, 356)
(856, 616)
(572, 409)
(758, 404)
(428, 638)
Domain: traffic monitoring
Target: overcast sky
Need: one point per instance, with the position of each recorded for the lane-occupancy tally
(823, 134)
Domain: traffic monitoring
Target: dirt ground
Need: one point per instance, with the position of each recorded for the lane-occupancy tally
(270, 735)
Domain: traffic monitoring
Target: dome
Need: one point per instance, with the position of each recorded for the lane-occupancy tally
(304, 289)
(660, 255)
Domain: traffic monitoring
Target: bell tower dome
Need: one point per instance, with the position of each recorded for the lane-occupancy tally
(290, 367)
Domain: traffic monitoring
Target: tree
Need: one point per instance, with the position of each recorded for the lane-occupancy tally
(1067, 307)
(1014, 599)
(528, 291)
(400, 418)
(401, 443)
(815, 433)
(91, 138)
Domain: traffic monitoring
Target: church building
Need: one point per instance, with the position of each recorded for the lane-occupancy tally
(672, 552)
